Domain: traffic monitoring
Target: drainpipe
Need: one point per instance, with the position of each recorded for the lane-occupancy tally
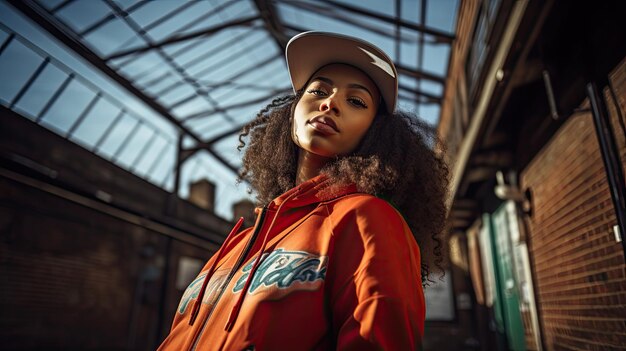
(610, 156)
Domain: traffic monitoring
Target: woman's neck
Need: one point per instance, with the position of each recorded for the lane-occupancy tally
(309, 166)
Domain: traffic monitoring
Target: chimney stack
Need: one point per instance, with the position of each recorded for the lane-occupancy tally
(245, 209)
(202, 194)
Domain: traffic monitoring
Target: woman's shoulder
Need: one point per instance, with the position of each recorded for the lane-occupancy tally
(362, 205)
(370, 220)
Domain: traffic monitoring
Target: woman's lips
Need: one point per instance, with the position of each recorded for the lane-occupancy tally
(324, 124)
(322, 127)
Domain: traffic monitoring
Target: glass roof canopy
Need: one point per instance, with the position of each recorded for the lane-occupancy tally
(200, 69)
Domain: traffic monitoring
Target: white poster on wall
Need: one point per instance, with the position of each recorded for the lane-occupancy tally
(188, 269)
(439, 299)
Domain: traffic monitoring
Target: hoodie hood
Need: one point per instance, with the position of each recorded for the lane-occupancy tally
(313, 191)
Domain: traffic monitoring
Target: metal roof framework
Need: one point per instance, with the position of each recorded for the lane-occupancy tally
(206, 67)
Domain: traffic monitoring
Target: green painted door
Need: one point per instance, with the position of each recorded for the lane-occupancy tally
(506, 283)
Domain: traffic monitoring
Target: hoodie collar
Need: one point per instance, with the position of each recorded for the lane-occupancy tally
(313, 191)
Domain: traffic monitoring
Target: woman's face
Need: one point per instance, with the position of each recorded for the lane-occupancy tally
(336, 109)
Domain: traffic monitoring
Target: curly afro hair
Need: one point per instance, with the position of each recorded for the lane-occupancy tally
(395, 161)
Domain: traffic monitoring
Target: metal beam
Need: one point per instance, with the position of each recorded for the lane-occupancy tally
(419, 74)
(173, 64)
(329, 12)
(272, 23)
(169, 15)
(176, 39)
(254, 68)
(225, 134)
(61, 5)
(398, 10)
(417, 100)
(439, 34)
(204, 18)
(238, 105)
(37, 14)
(109, 18)
(429, 96)
(226, 45)
(420, 44)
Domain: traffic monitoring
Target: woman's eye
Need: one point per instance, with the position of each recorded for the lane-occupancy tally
(316, 92)
(358, 102)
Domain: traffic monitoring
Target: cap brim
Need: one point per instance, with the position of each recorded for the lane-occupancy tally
(309, 51)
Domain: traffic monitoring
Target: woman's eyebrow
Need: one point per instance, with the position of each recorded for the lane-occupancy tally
(324, 79)
(359, 86)
(352, 85)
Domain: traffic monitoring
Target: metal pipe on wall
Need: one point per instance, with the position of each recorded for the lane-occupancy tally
(610, 156)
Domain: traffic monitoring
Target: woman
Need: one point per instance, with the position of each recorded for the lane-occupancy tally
(346, 185)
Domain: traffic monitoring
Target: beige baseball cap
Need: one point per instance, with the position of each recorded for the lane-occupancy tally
(309, 51)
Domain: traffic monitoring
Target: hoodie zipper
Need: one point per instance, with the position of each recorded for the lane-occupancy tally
(234, 270)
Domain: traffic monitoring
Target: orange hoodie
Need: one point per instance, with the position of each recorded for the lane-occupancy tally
(335, 272)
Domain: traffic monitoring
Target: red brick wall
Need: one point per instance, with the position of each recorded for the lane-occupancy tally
(580, 275)
(529, 336)
(70, 276)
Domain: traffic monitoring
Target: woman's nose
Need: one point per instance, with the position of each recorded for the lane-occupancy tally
(329, 105)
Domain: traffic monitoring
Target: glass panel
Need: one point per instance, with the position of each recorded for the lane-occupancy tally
(143, 167)
(441, 14)
(213, 47)
(164, 166)
(49, 4)
(138, 66)
(431, 87)
(179, 48)
(212, 126)
(117, 136)
(96, 122)
(429, 113)
(66, 109)
(241, 96)
(135, 146)
(411, 10)
(162, 81)
(241, 9)
(153, 11)
(197, 104)
(405, 104)
(17, 64)
(245, 114)
(408, 50)
(407, 81)
(436, 59)
(246, 75)
(81, 14)
(202, 123)
(187, 172)
(244, 49)
(41, 91)
(203, 18)
(289, 14)
(3, 36)
(176, 94)
(308, 19)
(386, 8)
(173, 23)
(107, 39)
(124, 4)
(168, 184)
